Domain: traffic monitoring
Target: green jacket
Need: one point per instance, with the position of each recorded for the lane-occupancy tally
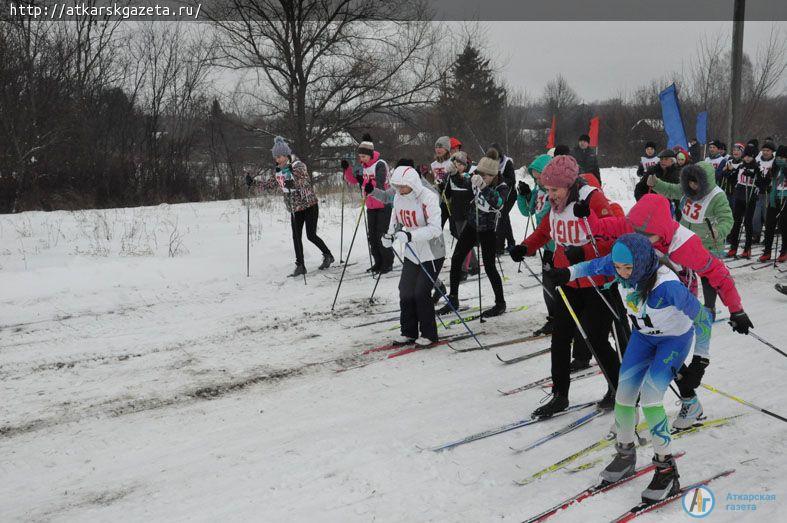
(718, 213)
(776, 196)
(528, 208)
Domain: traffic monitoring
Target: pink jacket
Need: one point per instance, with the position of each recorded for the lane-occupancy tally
(369, 175)
(652, 214)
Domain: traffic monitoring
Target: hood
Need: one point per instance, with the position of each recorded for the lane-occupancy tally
(591, 180)
(652, 214)
(636, 249)
(704, 173)
(538, 165)
(407, 176)
(375, 157)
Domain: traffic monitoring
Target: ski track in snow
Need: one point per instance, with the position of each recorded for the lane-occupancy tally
(139, 386)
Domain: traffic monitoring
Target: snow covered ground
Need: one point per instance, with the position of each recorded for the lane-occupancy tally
(145, 377)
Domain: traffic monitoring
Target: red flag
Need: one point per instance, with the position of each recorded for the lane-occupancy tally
(551, 138)
(593, 132)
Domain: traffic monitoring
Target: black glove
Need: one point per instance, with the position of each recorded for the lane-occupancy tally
(517, 252)
(740, 322)
(574, 254)
(368, 188)
(548, 257)
(690, 377)
(359, 179)
(345, 164)
(524, 189)
(557, 276)
(289, 183)
(581, 208)
(249, 180)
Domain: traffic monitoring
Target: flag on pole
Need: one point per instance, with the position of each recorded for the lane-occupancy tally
(551, 137)
(593, 132)
(702, 127)
(670, 114)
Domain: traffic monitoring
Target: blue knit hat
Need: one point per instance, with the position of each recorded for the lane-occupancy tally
(280, 147)
(636, 249)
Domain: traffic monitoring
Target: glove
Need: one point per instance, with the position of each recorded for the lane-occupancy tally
(345, 165)
(289, 183)
(517, 252)
(524, 189)
(581, 209)
(477, 182)
(574, 254)
(249, 180)
(558, 276)
(740, 322)
(368, 188)
(387, 240)
(359, 179)
(691, 376)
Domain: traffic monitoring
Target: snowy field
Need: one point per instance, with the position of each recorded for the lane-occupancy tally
(145, 377)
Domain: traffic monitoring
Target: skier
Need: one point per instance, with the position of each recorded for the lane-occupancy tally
(505, 234)
(536, 203)
(664, 317)
(585, 157)
(716, 156)
(649, 160)
(441, 168)
(572, 245)
(416, 221)
(666, 169)
(490, 194)
(727, 178)
(776, 185)
(459, 196)
(652, 217)
(745, 202)
(705, 212)
(292, 176)
(374, 174)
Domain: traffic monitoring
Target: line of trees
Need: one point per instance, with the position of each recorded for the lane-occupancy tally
(98, 113)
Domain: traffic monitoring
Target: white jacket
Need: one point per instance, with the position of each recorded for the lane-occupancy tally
(419, 214)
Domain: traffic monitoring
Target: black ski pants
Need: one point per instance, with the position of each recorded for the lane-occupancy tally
(415, 298)
(465, 243)
(378, 221)
(307, 217)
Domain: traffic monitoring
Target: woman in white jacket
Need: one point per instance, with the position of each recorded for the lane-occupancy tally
(415, 221)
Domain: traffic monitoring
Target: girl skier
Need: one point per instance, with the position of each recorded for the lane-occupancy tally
(490, 193)
(706, 212)
(572, 245)
(295, 182)
(415, 221)
(664, 317)
(776, 214)
(746, 196)
(441, 168)
(374, 174)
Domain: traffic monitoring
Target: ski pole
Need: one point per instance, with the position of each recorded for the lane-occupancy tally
(765, 342)
(341, 229)
(347, 261)
(743, 402)
(478, 259)
(584, 336)
(546, 289)
(376, 283)
(248, 229)
(469, 330)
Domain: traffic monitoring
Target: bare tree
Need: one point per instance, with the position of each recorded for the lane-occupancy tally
(768, 69)
(325, 65)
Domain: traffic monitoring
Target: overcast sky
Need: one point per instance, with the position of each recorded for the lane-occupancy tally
(600, 59)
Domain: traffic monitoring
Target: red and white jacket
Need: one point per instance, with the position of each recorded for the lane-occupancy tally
(376, 172)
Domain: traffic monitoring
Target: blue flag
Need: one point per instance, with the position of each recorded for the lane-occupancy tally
(702, 127)
(670, 114)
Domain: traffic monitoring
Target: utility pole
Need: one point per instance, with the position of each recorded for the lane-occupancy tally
(738, 15)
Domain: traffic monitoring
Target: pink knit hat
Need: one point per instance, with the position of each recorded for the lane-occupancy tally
(562, 171)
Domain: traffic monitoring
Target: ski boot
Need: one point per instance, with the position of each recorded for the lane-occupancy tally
(497, 310)
(424, 342)
(327, 260)
(766, 256)
(732, 253)
(746, 254)
(447, 309)
(402, 340)
(578, 364)
(665, 480)
(623, 464)
(438, 294)
(546, 330)
(690, 413)
(558, 403)
(782, 257)
(608, 401)
(300, 269)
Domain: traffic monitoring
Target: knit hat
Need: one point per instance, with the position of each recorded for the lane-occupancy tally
(750, 150)
(539, 163)
(716, 143)
(650, 144)
(366, 146)
(460, 156)
(280, 147)
(497, 147)
(562, 171)
(444, 142)
(781, 151)
(455, 143)
(722, 146)
(584, 138)
(755, 142)
(405, 162)
(561, 150)
(768, 145)
(667, 153)
(488, 164)
(740, 145)
(636, 249)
